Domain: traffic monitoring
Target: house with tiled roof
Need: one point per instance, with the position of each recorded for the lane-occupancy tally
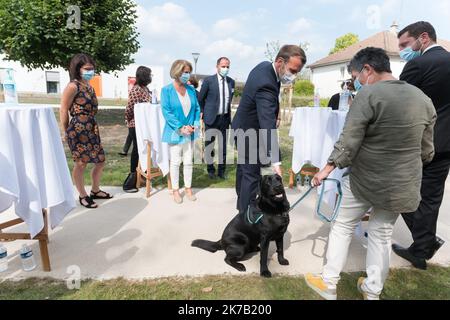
(328, 73)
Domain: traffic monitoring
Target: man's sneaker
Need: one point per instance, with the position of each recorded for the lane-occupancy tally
(323, 289)
(364, 293)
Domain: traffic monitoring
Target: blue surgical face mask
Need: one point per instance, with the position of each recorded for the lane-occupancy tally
(224, 72)
(358, 85)
(185, 77)
(409, 54)
(88, 75)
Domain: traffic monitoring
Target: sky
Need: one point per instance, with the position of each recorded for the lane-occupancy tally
(240, 29)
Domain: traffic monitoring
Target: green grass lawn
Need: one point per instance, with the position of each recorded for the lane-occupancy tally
(403, 284)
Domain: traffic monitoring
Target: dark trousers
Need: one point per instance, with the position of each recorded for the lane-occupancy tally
(423, 222)
(248, 178)
(134, 152)
(128, 143)
(222, 123)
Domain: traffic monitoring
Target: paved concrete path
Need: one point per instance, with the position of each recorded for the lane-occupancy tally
(135, 238)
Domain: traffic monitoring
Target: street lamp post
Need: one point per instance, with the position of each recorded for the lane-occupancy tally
(195, 55)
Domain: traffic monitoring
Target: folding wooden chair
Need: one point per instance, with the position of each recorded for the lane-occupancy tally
(149, 174)
(42, 237)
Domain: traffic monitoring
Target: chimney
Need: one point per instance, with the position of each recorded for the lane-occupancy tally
(394, 27)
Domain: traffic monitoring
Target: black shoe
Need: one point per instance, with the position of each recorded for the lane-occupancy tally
(439, 243)
(123, 154)
(129, 186)
(405, 254)
(222, 176)
(212, 176)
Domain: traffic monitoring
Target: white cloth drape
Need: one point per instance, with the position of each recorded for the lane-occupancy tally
(149, 127)
(33, 168)
(315, 131)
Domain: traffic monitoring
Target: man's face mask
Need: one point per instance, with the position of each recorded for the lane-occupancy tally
(409, 54)
(287, 77)
(358, 84)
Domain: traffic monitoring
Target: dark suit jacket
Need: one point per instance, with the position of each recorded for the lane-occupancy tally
(259, 106)
(334, 101)
(209, 98)
(431, 73)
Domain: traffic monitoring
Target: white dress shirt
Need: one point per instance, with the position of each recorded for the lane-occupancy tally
(430, 47)
(223, 95)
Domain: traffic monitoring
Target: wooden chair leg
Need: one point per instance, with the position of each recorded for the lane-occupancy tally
(43, 244)
(44, 255)
(148, 186)
(169, 183)
(139, 177)
(291, 179)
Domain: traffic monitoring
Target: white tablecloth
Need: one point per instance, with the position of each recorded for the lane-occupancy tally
(149, 127)
(33, 167)
(315, 131)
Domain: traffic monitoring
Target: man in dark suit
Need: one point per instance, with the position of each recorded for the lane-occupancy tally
(429, 70)
(215, 103)
(255, 123)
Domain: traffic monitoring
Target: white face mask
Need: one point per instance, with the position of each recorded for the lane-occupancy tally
(287, 77)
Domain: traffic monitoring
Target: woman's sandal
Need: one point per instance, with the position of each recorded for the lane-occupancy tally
(95, 195)
(90, 203)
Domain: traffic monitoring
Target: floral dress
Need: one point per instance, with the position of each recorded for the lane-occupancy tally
(83, 134)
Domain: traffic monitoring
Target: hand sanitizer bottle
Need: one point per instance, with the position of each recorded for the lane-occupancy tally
(317, 99)
(154, 96)
(9, 87)
(343, 100)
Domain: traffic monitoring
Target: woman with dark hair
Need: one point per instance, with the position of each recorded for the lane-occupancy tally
(194, 83)
(81, 132)
(138, 94)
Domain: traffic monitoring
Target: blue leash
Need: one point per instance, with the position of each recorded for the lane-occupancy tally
(321, 215)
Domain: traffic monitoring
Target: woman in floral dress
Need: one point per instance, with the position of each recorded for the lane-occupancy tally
(81, 132)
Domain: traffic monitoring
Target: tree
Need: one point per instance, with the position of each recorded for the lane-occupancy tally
(272, 49)
(305, 46)
(47, 33)
(344, 42)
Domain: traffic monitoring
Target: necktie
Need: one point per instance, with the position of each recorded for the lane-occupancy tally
(223, 94)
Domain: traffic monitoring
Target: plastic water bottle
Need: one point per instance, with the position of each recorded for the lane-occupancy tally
(317, 99)
(343, 100)
(9, 87)
(27, 257)
(3, 259)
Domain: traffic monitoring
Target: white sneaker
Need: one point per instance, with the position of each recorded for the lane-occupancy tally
(325, 290)
(366, 295)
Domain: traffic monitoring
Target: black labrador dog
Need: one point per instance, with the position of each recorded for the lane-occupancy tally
(251, 231)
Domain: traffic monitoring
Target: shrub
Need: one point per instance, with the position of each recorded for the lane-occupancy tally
(304, 88)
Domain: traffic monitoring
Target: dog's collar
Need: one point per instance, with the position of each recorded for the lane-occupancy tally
(254, 217)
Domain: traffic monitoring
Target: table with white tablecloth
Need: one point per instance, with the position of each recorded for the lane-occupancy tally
(34, 174)
(315, 131)
(150, 124)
